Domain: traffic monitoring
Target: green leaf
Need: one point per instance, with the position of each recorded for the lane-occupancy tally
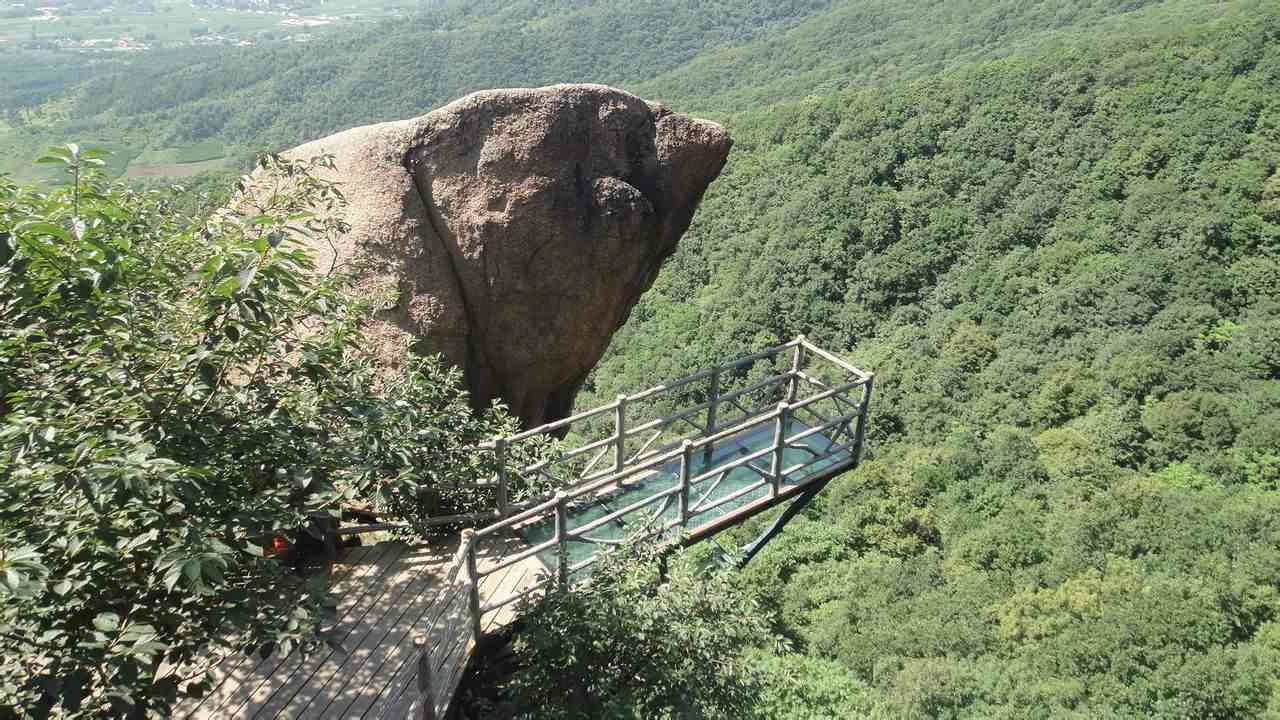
(172, 576)
(57, 154)
(245, 277)
(62, 587)
(212, 265)
(134, 543)
(107, 280)
(227, 287)
(42, 228)
(107, 622)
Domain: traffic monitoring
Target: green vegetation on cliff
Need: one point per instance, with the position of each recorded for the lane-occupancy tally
(173, 395)
(1053, 230)
(1065, 269)
(705, 56)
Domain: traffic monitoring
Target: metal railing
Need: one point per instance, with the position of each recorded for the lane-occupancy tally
(608, 439)
(446, 640)
(816, 397)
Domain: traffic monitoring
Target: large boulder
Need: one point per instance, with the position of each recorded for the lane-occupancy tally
(516, 229)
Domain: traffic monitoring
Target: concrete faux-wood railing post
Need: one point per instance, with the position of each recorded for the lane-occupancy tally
(779, 444)
(426, 687)
(713, 408)
(500, 456)
(562, 540)
(686, 449)
(473, 582)
(797, 361)
(862, 415)
(620, 432)
(713, 400)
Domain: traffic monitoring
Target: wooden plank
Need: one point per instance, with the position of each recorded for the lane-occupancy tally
(248, 672)
(269, 678)
(357, 622)
(340, 677)
(393, 698)
(360, 685)
(496, 585)
(239, 665)
(400, 668)
(395, 692)
(516, 582)
(401, 664)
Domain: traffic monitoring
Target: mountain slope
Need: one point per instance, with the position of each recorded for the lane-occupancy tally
(1065, 269)
(704, 55)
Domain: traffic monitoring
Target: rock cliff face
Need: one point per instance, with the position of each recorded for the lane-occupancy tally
(517, 228)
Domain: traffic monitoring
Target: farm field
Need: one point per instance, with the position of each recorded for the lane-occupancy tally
(20, 149)
(182, 161)
(173, 23)
(183, 154)
(48, 56)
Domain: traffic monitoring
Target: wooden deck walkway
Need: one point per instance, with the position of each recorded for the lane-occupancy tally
(393, 602)
(745, 436)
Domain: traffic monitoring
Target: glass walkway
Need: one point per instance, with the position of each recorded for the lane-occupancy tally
(815, 454)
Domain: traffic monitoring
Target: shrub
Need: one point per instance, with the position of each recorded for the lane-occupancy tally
(632, 643)
(172, 394)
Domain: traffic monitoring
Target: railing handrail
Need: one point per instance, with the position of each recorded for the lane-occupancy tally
(500, 482)
(506, 516)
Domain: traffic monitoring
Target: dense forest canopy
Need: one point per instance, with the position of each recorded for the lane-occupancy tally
(1052, 229)
(1064, 270)
(708, 56)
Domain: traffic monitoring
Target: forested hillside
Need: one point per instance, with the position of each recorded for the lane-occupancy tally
(1065, 269)
(1052, 229)
(714, 56)
(286, 95)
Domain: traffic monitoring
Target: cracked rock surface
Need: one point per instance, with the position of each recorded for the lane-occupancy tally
(516, 229)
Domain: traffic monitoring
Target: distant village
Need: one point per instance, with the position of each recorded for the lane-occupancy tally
(124, 43)
(47, 16)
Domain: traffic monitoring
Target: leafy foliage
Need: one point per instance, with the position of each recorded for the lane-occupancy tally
(1063, 262)
(1054, 262)
(707, 56)
(635, 643)
(173, 396)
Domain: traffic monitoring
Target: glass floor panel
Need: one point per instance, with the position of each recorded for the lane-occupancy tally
(701, 495)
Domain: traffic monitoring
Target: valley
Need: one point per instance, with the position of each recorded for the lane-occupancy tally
(1051, 229)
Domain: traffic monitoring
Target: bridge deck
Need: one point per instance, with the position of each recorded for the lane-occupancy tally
(393, 601)
(720, 498)
(408, 616)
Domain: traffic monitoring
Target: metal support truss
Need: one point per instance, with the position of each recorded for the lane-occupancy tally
(802, 501)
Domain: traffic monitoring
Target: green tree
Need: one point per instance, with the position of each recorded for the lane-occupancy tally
(172, 396)
(635, 643)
